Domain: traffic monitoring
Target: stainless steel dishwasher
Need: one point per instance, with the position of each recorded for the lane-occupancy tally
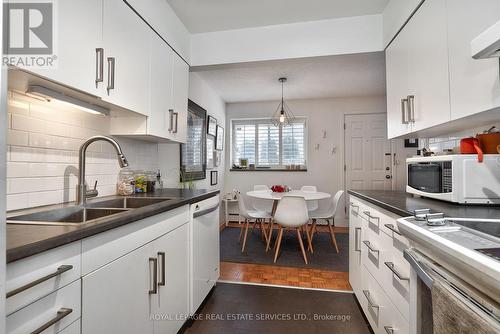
(204, 254)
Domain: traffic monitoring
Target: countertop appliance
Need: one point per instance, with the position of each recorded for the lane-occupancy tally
(204, 250)
(455, 178)
(463, 256)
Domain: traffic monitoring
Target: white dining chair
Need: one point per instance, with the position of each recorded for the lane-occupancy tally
(311, 205)
(258, 217)
(262, 204)
(328, 214)
(291, 213)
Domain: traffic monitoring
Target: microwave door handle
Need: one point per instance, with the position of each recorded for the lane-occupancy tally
(421, 273)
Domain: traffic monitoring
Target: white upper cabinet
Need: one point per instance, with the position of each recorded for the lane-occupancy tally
(474, 83)
(127, 43)
(397, 71)
(160, 120)
(180, 98)
(428, 65)
(79, 37)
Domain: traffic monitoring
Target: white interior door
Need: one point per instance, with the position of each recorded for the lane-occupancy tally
(368, 159)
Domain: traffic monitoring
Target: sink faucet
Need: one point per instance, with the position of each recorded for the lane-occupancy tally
(82, 192)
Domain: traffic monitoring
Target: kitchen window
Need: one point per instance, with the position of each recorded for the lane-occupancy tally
(266, 145)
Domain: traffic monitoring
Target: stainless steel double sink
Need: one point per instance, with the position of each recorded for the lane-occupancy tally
(77, 215)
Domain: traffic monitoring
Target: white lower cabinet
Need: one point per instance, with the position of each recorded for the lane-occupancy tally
(74, 328)
(145, 291)
(50, 314)
(378, 273)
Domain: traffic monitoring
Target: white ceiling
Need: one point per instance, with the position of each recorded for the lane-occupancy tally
(319, 77)
(215, 15)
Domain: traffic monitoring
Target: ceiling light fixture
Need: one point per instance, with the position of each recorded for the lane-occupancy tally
(283, 114)
(48, 95)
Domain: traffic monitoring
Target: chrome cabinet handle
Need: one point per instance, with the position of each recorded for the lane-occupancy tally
(154, 290)
(354, 206)
(171, 119)
(371, 303)
(391, 267)
(111, 74)
(370, 216)
(176, 115)
(428, 280)
(392, 228)
(404, 107)
(99, 66)
(389, 329)
(162, 271)
(356, 239)
(411, 108)
(62, 313)
(58, 272)
(368, 244)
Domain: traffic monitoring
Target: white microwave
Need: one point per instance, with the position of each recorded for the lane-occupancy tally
(455, 178)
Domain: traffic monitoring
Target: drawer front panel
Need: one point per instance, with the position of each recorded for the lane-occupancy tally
(62, 308)
(106, 247)
(25, 278)
(379, 310)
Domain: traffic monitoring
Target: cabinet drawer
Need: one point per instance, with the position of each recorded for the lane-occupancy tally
(61, 308)
(106, 247)
(395, 275)
(381, 313)
(25, 278)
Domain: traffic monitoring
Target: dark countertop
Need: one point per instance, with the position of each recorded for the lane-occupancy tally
(26, 240)
(403, 204)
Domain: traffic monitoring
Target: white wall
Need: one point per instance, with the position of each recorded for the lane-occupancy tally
(201, 93)
(325, 170)
(395, 14)
(3, 147)
(285, 41)
(42, 158)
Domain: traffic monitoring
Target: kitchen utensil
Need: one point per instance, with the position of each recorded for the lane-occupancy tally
(471, 146)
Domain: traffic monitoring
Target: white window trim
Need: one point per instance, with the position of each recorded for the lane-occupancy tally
(257, 121)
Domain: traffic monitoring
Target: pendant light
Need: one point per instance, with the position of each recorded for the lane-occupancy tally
(282, 115)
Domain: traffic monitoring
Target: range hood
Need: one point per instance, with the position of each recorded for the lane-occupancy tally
(487, 44)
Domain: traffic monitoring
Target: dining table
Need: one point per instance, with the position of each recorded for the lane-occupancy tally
(276, 196)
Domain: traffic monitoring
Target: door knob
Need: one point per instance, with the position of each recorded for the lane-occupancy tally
(387, 176)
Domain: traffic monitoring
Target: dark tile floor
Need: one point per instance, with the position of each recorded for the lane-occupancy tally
(235, 308)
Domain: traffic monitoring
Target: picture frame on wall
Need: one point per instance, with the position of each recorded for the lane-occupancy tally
(217, 158)
(212, 126)
(214, 175)
(211, 152)
(219, 140)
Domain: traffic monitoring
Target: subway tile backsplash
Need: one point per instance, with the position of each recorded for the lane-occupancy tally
(42, 155)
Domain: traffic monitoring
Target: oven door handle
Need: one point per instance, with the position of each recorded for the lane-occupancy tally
(421, 273)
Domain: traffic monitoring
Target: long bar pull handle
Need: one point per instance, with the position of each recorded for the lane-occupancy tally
(176, 115)
(161, 258)
(354, 205)
(154, 260)
(411, 108)
(99, 66)
(368, 244)
(418, 268)
(392, 268)
(111, 74)
(371, 303)
(404, 114)
(58, 272)
(392, 228)
(369, 215)
(171, 120)
(357, 247)
(62, 313)
(389, 329)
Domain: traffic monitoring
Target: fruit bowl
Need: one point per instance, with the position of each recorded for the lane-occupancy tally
(280, 189)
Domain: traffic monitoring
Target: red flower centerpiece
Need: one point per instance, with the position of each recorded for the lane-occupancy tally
(280, 188)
